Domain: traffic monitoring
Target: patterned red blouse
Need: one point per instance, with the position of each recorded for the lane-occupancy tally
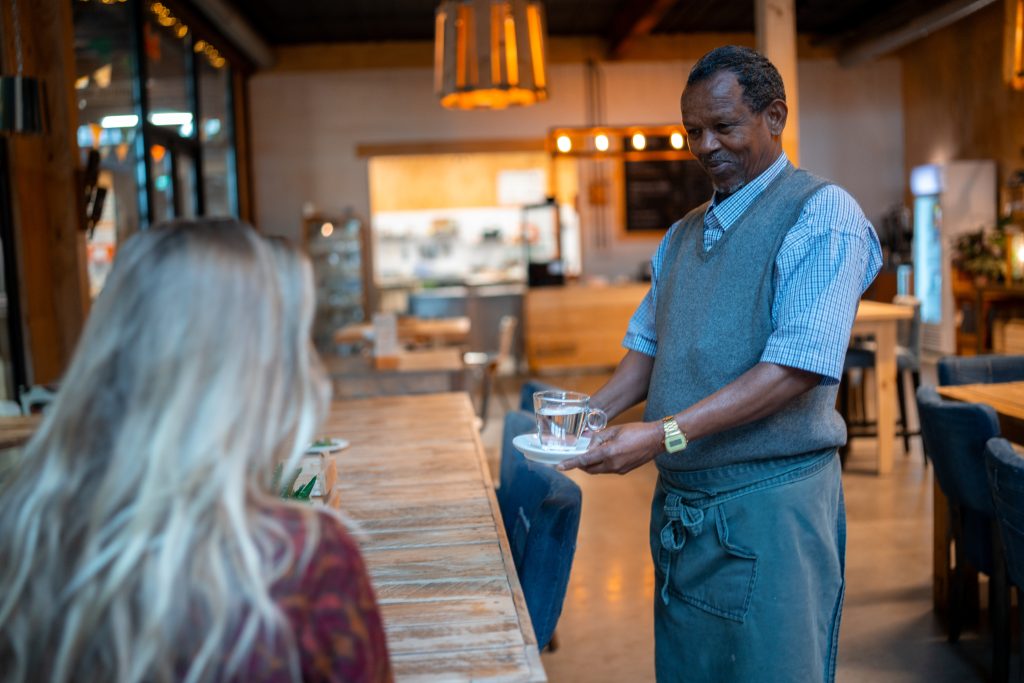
(332, 611)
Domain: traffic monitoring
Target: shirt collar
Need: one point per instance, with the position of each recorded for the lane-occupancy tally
(732, 207)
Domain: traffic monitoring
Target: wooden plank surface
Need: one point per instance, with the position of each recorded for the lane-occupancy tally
(16, 430)
(1006, 397)
(416, 482)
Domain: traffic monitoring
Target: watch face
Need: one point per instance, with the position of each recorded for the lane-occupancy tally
(675, 443)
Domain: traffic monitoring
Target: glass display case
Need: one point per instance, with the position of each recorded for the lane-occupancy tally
(339, 249)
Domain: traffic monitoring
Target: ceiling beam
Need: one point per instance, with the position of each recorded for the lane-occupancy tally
(870, 46)
(635, 20)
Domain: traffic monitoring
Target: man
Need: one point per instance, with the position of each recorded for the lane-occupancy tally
(738, 349)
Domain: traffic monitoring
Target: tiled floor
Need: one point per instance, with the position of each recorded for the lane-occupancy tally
(889, 632)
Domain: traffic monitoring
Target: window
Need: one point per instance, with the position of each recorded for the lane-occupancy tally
(154, 99)
(109, 125)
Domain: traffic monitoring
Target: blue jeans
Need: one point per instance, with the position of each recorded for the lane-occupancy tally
(749, 562)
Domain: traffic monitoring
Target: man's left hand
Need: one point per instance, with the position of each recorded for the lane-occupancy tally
(619, 449)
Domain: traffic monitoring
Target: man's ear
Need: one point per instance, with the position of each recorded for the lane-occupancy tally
(775, 114)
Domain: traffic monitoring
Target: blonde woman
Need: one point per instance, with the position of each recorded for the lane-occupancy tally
(139, 536)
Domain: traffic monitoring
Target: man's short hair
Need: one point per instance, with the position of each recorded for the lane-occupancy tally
(758, 77)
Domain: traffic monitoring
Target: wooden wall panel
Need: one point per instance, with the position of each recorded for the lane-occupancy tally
(45, 189)
(955, 102)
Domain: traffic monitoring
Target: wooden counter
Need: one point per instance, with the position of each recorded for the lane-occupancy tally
(416, 481)
(16, 430)
(578, 327)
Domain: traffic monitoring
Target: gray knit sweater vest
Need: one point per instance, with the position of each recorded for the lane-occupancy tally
(713, 319)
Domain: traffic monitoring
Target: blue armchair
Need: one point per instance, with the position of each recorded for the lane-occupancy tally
(1005, 469)
(980, 369)
(541, 511)
(954, 437)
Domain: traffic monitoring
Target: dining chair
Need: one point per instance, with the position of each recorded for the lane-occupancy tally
(985, 369)
(861, 357)
(1005, 469)
(494, 365)
(35, 396)
(954, 436)
(540, 508)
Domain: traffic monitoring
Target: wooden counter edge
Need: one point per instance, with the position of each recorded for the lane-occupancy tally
(537, 673)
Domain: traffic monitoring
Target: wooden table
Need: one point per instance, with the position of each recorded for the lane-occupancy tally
(415, 479)
(411, 330)
(879, 320)
(16, 430)
(1007, 398)
(414, 372)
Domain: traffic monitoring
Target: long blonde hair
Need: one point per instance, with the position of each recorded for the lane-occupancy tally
(138, 539)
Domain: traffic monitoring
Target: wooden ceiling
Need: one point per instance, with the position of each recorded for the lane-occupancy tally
(831, 22)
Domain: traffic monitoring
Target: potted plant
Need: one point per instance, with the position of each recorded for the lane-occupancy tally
(981, 255)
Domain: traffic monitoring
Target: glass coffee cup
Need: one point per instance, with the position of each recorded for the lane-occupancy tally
(562, 416)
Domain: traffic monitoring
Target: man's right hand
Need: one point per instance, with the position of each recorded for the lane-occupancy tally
(619, 449)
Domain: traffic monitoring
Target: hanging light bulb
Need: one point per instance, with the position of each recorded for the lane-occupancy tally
(639, 141)
(22, 98)
(489, 54)
(676, 139)
(601, 142)
(564, 144)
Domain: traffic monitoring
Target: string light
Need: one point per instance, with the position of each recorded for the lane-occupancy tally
(165, 18)
(634, 142)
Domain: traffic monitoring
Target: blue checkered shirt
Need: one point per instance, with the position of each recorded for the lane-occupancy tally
(826, 261)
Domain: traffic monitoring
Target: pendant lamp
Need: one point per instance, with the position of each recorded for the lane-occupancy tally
(489, 54)
(22, 99)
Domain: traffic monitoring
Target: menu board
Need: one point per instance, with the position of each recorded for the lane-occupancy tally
(661, 191)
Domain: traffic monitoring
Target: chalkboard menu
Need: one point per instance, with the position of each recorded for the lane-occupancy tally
(661, 191)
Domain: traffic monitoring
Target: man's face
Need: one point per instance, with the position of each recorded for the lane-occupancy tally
(732, 143)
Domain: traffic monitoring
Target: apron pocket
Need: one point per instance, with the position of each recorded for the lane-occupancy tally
(710, 572)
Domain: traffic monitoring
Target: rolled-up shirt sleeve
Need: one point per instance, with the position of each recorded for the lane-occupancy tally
(826, 262)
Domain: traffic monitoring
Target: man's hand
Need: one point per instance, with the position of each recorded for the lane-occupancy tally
(619, 449)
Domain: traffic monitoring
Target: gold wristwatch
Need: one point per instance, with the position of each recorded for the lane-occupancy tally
(675, 439)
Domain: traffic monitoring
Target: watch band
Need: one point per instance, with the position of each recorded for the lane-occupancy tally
(675, 438)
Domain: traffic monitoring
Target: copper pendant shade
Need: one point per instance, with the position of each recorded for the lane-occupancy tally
(490, 54)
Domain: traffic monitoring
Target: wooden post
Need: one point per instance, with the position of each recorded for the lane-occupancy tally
(775, 26)
(46, 192)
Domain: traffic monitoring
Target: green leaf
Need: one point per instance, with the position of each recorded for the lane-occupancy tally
(305, 491)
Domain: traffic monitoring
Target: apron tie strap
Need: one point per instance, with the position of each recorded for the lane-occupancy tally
(682, 520)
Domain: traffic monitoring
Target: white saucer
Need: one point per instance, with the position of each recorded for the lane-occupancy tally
(335, 445)
(529, 446)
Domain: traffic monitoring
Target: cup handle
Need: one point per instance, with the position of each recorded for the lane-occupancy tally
(600, 423)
